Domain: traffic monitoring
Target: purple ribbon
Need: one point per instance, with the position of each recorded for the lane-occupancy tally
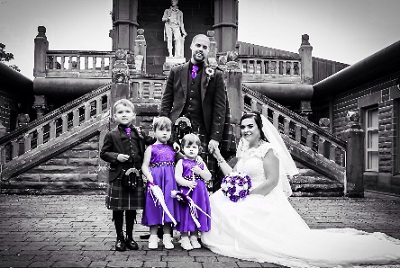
(194, 71)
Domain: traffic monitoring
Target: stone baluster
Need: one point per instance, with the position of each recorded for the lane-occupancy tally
(99, 106)
(276, 120)
(39, 140)
(253, 105)
(69, 62)
(87, 108)
(75, 117)
(52, 129)
(102, 63)
(151, 90)
(321, 146)
(62, 62)
(263, 67)
(286, 126)
(309, 139)
(140, 51)
(264, 110)
(27, 142)
(332, 152)
(15, 148)
(78, 62)
(64, 123)
(86, 63)
(297, 133)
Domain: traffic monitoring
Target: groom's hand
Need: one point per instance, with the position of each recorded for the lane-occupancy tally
(212, 145)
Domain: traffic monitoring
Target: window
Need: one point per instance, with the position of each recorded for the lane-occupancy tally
(371, 139)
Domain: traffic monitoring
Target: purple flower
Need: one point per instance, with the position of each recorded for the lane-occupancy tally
(241, 181)
(232, 190)
(243, 193)
(234, 198)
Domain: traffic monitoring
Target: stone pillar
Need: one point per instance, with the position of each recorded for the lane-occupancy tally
(139, 53)
(233, 75)
(40, 105)
(120, 79)
(124, 18)
(41, 47)
(305, 52)
(212, 55)
(354, 135)
(226, 24)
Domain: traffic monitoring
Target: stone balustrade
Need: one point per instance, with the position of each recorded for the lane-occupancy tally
(296, 127)
(77, 63)
(54, 124)
(262, 69)
(147, 90)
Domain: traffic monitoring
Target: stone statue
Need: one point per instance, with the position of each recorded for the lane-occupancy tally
(174, 29)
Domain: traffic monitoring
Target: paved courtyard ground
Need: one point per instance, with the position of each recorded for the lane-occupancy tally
(76, 231)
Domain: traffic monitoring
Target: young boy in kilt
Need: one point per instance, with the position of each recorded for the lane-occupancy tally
(124, 148)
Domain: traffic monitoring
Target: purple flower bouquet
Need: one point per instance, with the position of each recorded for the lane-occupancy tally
(236, 186)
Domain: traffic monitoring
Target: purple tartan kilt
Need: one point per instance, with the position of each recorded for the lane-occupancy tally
(119, 198)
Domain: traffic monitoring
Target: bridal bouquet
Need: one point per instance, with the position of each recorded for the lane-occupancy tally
(236, 186)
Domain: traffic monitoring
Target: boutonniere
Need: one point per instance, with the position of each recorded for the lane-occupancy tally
(210, 72)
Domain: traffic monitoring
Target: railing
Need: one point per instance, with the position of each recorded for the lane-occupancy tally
(260, 69)
(296, 127)
(54, 124)
(147, 90)
(78, 63)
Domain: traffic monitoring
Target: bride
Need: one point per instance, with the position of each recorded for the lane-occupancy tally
(264, 227)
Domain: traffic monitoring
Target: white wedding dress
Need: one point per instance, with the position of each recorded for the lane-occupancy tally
(268, 229)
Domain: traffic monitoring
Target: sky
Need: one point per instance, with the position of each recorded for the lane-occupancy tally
(346, 31)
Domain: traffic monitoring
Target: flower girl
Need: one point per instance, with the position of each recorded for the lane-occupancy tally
(190, 176)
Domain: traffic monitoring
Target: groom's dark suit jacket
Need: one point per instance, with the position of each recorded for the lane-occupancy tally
(213, 98)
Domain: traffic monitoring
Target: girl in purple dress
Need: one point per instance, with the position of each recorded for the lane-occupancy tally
(158, 167)
(190, 177)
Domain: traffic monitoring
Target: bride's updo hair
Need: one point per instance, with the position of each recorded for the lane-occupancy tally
(257, 118)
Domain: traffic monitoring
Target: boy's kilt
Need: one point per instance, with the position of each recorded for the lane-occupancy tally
(120, 198)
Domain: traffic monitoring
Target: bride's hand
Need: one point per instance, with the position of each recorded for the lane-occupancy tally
(216, 153)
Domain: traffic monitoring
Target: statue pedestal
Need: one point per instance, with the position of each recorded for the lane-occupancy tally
(171, 62)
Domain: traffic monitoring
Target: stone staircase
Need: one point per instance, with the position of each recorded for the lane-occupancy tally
(59, 154)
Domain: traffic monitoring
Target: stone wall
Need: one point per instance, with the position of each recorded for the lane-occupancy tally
(74, 171)
(385, 95)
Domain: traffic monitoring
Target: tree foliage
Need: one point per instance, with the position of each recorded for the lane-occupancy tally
(6, 57)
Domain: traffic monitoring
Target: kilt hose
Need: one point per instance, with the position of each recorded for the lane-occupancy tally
(120, 198)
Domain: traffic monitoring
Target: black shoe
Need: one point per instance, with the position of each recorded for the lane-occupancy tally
(131, 244)
(120, 244)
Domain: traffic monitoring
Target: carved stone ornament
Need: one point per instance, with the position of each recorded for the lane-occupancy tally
(305, 40)
(353, 117)
(120, 71)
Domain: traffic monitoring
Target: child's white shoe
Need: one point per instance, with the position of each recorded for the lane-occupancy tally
(167, 241)
(185, 243)
(195, 242)
(153, 242)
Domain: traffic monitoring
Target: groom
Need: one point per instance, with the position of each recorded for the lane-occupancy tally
(197, 91)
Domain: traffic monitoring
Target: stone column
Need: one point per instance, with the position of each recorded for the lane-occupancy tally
(305, 52)
(354, 135)
(233, 75)
(124, 18)
(226, 24)
(41, 47)
(120, 80)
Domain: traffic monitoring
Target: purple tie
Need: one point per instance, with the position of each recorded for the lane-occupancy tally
(194, 71)
(128, 131)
